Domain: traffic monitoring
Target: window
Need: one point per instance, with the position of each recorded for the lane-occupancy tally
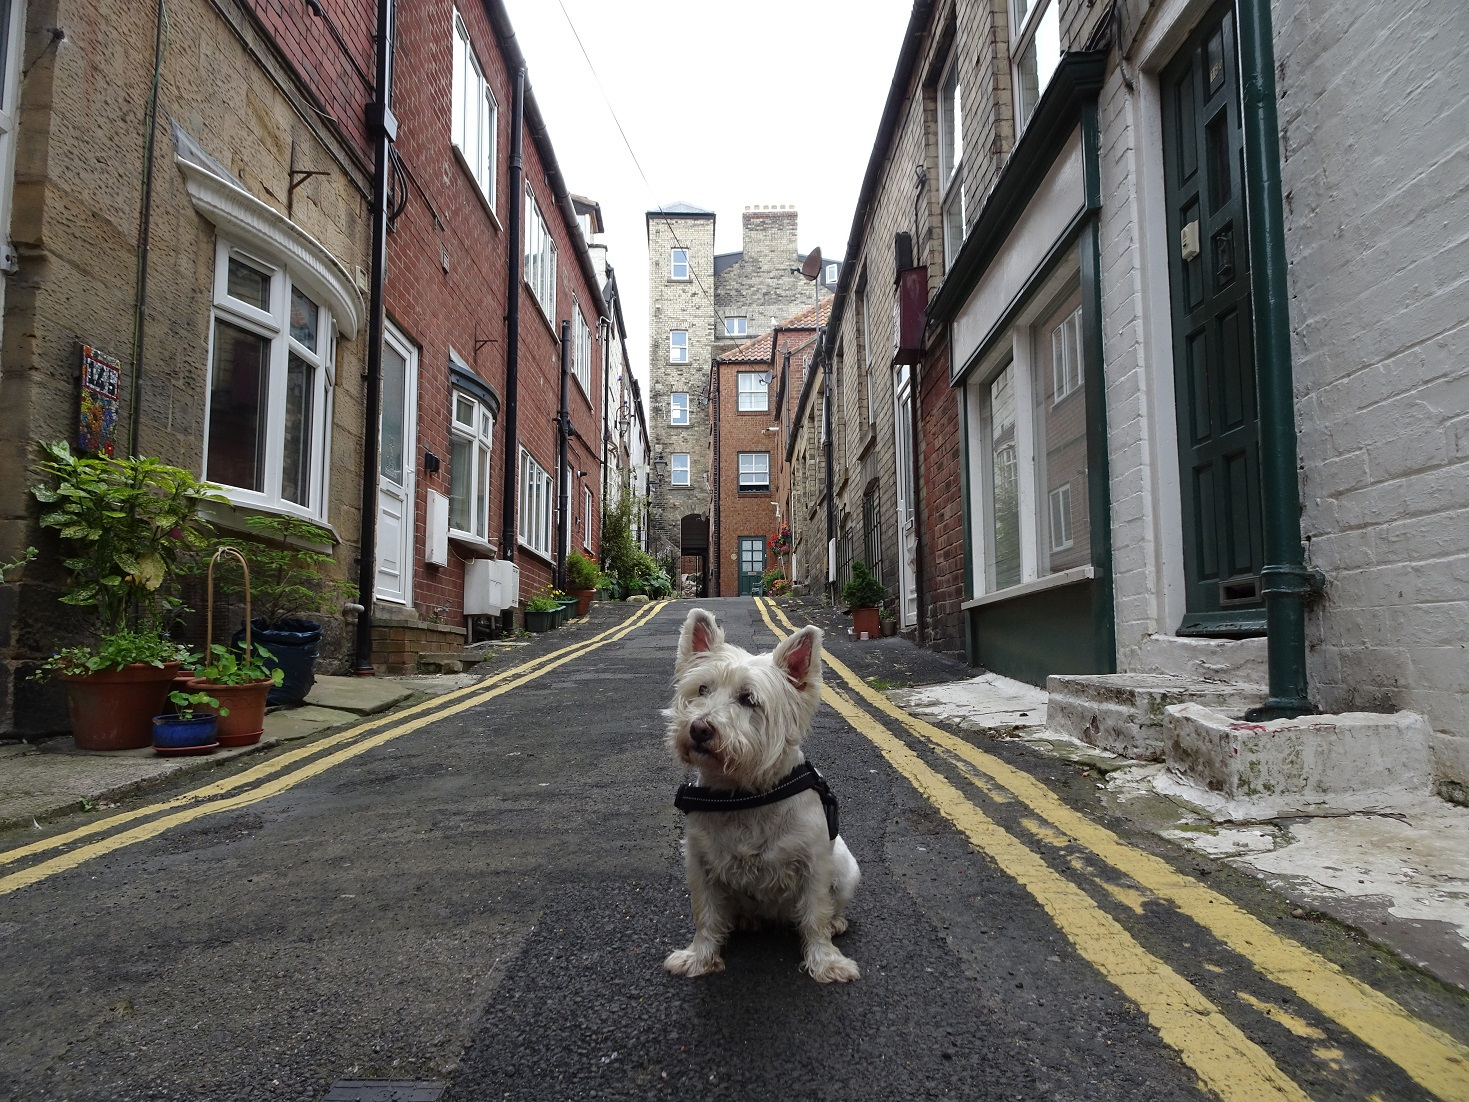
(678, 346)
(678, 408)
(12, 32)
(581, 355)
(680, 468)
(831, 273)
(1002, 532)
(540, 256)
(1066, 356)
(951, 161)
(269, 385)
(755, 471)
(1061, 517)
(754, 392)
(536, 504)
(735, 327)
(1036, 44)
(867, 356)
(678, 265)
(475, 113)
(586, 514)
(471, 426)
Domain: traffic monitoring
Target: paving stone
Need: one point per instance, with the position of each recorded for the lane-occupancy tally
(299, 723)
(363, 695)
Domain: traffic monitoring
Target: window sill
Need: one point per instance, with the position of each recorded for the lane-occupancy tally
(486, 549)
(533, 553)
(1040, 585)
(484, 200)
(230, 516)
(754, 491)
(539, 309)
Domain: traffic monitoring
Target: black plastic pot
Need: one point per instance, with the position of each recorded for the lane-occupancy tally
(293, 646)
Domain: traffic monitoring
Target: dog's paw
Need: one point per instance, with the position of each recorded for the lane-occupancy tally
(685, 962)
(833, 968)
(838, 926)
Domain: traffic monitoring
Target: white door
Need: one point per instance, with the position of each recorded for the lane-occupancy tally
(398, 444)
(907, 534)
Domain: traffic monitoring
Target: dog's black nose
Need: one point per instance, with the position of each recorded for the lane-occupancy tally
(700, 732)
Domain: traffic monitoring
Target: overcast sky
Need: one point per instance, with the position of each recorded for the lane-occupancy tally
(724, 105)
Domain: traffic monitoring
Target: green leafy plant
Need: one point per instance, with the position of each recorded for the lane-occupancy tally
(126, 526)
(582, 572)
(232, 666)
(289, 575)
(863, 589)
(7, 567)
(185, 703)
(114, 651)
(773, 582)
(548, 600)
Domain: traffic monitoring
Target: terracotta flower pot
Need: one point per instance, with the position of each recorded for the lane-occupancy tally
(866, 619)
(114, 709)
(246, 703)
(584, 598)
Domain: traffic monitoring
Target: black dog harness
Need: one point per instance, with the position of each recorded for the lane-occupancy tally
(695, 797)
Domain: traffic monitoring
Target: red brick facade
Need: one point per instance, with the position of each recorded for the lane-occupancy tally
(940, 489)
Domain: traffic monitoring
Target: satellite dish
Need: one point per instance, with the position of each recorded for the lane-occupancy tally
(812, 267)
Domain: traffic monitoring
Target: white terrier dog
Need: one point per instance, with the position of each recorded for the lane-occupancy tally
(761, 842)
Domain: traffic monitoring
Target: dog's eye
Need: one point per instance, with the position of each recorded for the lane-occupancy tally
(703, 690)
(747, 698)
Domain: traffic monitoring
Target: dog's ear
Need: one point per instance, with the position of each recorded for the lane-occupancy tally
(798, 656)
(699, 636)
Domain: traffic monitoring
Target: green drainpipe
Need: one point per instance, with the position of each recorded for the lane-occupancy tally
(1285, 580)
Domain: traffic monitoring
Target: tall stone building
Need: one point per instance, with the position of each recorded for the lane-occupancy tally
(701, 305)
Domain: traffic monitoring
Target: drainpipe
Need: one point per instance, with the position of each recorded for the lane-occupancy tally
(145, 233)
(1285, 580)
(831, 512)
(383, 128)
(512, 320)
(563, 474)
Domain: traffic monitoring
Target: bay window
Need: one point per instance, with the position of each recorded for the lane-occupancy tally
(270, 366)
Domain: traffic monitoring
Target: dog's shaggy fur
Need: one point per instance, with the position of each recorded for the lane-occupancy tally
(739, 718)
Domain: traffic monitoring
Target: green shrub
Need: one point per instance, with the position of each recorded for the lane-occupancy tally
(863, 590)
(582, 572)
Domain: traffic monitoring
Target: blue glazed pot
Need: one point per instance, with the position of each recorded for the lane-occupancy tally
(176, 733)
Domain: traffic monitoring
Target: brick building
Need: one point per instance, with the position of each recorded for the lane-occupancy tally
(700, 305)
(749, 417)
(241, 333)
(1159, 431)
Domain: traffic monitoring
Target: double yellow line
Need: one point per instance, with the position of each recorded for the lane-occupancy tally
(1226, 1061)
(343, 746)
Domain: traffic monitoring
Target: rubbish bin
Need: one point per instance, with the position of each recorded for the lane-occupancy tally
(293, 645)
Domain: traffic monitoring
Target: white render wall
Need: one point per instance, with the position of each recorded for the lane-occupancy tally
(1374, 117)
(1376, 181)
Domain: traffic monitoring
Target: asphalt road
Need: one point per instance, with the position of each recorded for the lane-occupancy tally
(484, 900)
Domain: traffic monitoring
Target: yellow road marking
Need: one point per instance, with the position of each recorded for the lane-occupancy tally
(1432, 1058)
(63, 862)
(280, 762)
(1299, 1026)
(1225, 1060)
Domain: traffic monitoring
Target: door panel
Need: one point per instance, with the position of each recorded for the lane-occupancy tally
(752, 564)
(1214, 370)
(397, 445)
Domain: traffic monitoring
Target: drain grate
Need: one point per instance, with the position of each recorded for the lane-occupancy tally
(384, 1090)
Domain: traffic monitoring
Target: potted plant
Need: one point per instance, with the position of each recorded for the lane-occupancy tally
(584, 579)
(888, 621)
(862, 595)
(541, 611)
(184, 731)
(241, 682)
(288, 581)
(127, 526)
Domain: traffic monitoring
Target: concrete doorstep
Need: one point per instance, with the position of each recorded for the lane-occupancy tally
(1333, 812)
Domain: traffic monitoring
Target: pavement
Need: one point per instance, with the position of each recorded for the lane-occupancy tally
(1400, 878)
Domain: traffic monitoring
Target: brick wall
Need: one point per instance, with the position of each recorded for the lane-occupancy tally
(940, 515)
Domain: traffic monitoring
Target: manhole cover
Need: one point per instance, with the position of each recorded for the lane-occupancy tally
(384, 1090)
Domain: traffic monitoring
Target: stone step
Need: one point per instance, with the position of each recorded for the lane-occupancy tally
(1125, 713)
(451, 662)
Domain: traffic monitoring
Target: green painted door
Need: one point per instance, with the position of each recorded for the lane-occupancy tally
(1213, 360)
(752, 565)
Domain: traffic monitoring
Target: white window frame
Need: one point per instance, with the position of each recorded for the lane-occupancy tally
(273, 323)
(471, 423)
(867, 356)
(1038, 23)
(678, 350)
(588, 504)
(540, 257)
(736, 330)
(675, 408)
(581, 345)
(831, 273)
(679, 258)
(477, 138)
(747, 395)
(537, 505)
(1060, 511)
(12, 35)
(678, 464)
(1066, 359)
(751, 466)
(951, 159)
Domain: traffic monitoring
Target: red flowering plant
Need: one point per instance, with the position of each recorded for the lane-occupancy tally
(780, 543)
